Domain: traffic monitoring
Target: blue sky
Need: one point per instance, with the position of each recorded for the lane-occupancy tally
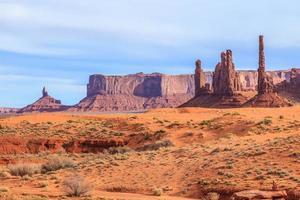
(59, 43)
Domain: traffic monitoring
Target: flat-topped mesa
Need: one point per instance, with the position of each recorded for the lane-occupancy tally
(201, 87)
(226, 80)
(265, 83)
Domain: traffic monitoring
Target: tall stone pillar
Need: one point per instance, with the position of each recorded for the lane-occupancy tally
(265, 83)
(44, 92)
(200, 78)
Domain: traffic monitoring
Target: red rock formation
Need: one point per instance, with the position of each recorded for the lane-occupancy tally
(259, 195)
(45, 104)
(17, 144)
(292, 84)
(4, 110)
(200, 80)
(226, 85)
(44, 92)
(265, 83)
(266, 96)
(226, 80)
(135, 92)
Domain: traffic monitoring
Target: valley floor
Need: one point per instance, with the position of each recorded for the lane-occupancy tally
(160, 154)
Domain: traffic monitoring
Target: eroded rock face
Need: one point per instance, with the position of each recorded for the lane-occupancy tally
(226, 80)
(265, 83)
(292, 84)
(266, 96)
(143, 91)
(136, 92)
(259, 195)
(142, 85)
(15, 144)
(45, 104)
(226, 85)
(201, 87)
(4, 110)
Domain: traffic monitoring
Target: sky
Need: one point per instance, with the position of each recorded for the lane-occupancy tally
(59, 43)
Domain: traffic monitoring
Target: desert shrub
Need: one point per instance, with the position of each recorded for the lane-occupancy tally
(76, 186)
(212, 196)
(266, 121)
(119, 150)
(4, 189)
(24, 169)
(4, 174)
(57, 163)
(156, 146)
(157, 192)
(205, 123)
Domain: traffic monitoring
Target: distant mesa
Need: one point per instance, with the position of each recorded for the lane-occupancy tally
(5, 110)
(45, 104)
(224, 88)
(291, 86)
(135, 92)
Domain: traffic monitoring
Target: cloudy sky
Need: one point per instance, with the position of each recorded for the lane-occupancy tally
(59, 43)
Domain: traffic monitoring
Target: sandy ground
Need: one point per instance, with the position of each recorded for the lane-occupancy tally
(214, 150)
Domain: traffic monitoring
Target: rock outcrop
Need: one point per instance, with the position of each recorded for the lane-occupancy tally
(265, 83)
(259, 195)
(226, 80)
(290, 87)
(201, 87)
(45, 104)
(135, 92)
(226, 87)
(4, 110)
(266, 96)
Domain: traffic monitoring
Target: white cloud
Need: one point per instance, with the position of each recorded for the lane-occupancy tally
(69, 27)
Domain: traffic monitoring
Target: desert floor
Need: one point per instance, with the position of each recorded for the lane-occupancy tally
(161, 154)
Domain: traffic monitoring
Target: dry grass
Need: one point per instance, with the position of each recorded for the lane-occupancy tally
(24, 169)
(57, 163)
(76, 186)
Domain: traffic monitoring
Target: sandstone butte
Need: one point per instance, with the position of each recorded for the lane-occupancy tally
(225, 87)
(45, 104)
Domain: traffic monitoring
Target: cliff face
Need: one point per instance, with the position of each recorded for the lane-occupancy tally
(142, 91)
(140, 85)
(156, 85)
(136, 92)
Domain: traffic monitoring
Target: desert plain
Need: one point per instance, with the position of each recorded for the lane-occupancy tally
(172, 153)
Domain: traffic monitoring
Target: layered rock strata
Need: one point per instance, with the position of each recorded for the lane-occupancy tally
(135, 92)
